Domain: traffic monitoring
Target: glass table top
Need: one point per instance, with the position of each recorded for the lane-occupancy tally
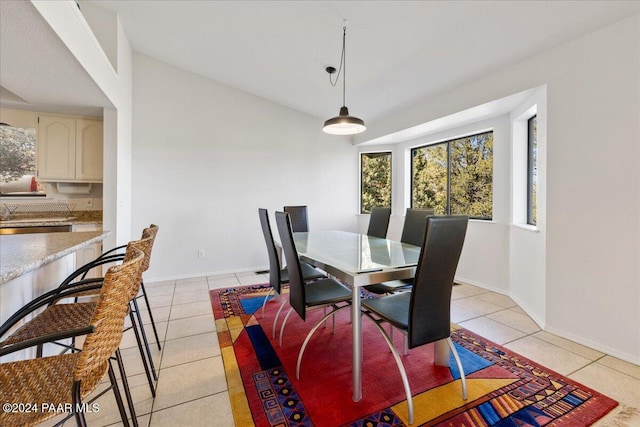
(355, 253)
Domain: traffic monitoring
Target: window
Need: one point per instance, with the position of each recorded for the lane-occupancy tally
(375, 180)
(18, 162)
(532, 170)
(454, 177)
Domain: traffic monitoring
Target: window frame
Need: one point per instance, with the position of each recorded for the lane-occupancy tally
(27, 194)
(381, 152)
(448, 189)
(530, 167)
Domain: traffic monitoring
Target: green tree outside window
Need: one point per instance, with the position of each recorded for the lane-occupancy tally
(375, 180)
(454, 177)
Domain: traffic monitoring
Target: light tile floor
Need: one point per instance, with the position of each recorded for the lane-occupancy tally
(192, 390)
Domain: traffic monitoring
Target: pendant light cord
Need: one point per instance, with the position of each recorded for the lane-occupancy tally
(342, 68)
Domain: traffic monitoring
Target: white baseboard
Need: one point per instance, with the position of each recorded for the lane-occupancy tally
(465, 281)
(540, 322)
(627, 357)
(205, 274)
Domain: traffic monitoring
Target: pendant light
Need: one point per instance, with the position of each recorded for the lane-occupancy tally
(343, 123)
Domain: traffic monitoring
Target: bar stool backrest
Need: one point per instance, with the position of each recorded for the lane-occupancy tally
(108, 319)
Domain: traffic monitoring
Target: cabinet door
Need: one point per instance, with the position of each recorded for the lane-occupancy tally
(89, 150)
(89, 253)
(56, 147)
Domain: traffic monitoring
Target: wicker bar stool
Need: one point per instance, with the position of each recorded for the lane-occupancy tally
(68, 378)
(60, 318)
(116, 255)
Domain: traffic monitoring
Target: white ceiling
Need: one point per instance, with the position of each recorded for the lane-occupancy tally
(398, 52)
(37, 72)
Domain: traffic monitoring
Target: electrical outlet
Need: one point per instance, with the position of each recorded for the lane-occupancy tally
(200, 253)
(88, 203)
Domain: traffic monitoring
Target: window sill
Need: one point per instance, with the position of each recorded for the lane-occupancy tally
(526, 227)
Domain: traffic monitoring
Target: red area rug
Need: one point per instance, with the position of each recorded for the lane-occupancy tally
(505, 389)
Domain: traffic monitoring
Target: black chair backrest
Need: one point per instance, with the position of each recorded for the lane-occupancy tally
(430, 307)
(297, 295)
(379, 222)
(415, 224)
(299, 218)
(274, 261)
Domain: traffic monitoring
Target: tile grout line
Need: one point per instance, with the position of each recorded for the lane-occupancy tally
(193, 400)
(608, 367)
(591, 362)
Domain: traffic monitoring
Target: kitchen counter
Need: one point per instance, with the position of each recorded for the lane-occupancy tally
(22, 253)
(52, 218)
(48, 222)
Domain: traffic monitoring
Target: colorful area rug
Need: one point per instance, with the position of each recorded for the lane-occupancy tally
(505, 389)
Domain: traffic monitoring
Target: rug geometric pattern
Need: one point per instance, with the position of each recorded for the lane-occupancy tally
(504, 389)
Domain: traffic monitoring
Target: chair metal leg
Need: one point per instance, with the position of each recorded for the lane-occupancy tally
(462, 377)
(310, 334)
(275, 319)
(405, 341)
(117, 395)
(77, 402)
(324, 312)
(284, 322)
(127, 390)
(403, 373)
(144, 339)
(153, 323)
(142, 355)
(266, 298)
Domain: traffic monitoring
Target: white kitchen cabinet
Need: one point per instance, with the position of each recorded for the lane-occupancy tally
(89, 253)
(89, 150)
(69, 149)
(56, 142)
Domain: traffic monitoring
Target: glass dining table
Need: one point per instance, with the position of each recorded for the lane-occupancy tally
(360, 260)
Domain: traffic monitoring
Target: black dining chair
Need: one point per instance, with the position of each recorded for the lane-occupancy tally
(415, 224)
(379, 222)
(278, 276)
(424, 314)
(299, 218)
(321, 293)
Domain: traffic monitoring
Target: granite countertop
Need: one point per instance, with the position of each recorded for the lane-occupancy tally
(49, 218)
(22, 253)
(46, 222)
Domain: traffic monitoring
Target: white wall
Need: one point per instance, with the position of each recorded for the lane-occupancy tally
(118, 125)
(527, 244)
(592, 279)
(207, 156)
(593, 208)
